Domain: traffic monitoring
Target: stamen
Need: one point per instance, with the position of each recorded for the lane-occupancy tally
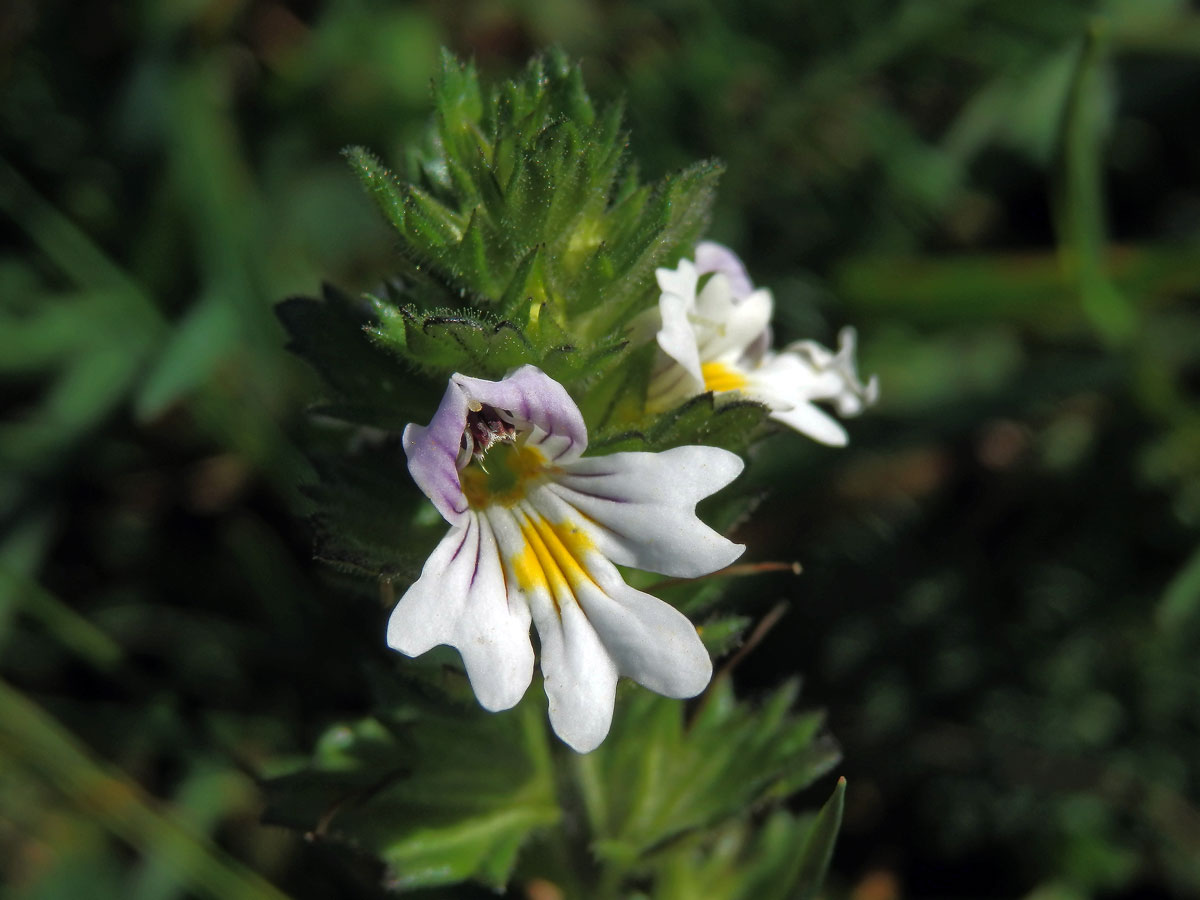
(485, 428)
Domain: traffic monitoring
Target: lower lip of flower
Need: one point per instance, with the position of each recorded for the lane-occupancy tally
(553, 559)
(510, 469)
(721, 377)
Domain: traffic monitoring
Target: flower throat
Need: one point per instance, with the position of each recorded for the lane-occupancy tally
(509, 463)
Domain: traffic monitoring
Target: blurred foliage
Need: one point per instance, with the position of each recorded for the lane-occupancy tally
(1000, 599)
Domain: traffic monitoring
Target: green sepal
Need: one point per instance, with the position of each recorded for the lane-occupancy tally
(655, 228)
(527, 287)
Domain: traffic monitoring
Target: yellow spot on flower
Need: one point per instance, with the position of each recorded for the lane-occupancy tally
(510, 468)
(553, 559)
(721, 377)
(528, 570)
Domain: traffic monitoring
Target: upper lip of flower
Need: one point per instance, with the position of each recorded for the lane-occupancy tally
(528, 399)
(539, 537)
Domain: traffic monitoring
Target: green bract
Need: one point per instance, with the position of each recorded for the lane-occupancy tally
(528, 236)
(524, 204)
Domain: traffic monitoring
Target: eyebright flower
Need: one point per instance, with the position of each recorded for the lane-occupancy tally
(718, 339)
(537, 533)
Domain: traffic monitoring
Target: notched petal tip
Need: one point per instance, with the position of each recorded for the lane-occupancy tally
(461, 601)
(640, 508)
(651, 642)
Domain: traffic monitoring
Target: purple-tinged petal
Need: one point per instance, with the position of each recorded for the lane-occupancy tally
(461, 599)
(714, 257)
(433, 454)
(530, 397)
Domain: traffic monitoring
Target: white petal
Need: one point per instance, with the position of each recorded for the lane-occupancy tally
(677, 338)
(461, 600)
(612, 629)
(680, 281)
(651, 642)
(851, 403)
(842, 384)
(784, 380)
(726, 326)
(814, 422)
(788, 383)
(580, 677)
(640, 508)
(592, 625)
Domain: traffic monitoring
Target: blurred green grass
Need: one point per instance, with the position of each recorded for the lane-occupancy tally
(1000, 601)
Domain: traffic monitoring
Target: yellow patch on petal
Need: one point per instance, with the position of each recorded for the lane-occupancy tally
(553, 558)
(721, 377)
(510, 469)
(528, 570)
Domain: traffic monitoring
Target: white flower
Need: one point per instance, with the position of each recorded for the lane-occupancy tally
(718, 340)
(538, 534)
